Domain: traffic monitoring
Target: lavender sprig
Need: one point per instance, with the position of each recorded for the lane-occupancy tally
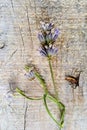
(47, 49)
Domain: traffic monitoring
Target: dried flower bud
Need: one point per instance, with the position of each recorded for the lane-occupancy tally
(30, 75)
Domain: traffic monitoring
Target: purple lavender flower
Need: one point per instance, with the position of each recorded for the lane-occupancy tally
(41, 38)
(55, 35)
(52, 51)
(43, 51)
(50, 26)
(49, 37)
(48, 51)
(30, 75)
(46, 26)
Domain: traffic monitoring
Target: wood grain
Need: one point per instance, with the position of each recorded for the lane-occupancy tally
(19, 26)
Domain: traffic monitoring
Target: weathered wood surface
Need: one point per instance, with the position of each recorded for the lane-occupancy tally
(19, 26)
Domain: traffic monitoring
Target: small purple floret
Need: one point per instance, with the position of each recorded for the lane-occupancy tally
(49, 37)
(30, 75)
(50, 26)
(52, 51)
(55, 35)
(43, 52)
(46, 26)
(49, 51)
(41, 38)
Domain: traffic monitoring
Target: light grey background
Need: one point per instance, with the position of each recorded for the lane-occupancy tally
(19, 26)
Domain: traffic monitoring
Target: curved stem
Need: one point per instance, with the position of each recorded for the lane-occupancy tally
(56, 101)
(48, 111)
(23, 94)
(61, 107)
(52, 76)
(47, 95)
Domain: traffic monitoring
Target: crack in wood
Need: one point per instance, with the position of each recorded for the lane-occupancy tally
(22, 39)
(36, 15)
(29, 28)
(12, 54)
(21, 36)
(12, 5)
(30, 4)
(25, 116)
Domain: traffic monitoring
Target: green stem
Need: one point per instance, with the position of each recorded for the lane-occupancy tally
(23, 94)
(42, 81)
(60, 106)
(48, 111)
(47, 95)
(52, 76)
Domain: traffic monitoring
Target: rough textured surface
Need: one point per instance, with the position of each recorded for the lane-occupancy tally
(19, 26)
